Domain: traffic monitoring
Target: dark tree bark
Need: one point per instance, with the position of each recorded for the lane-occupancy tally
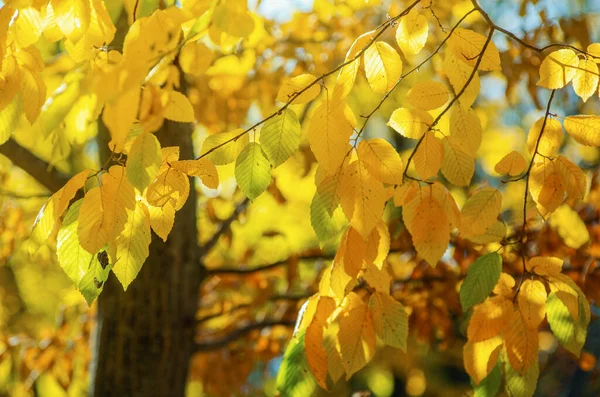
(145, 336)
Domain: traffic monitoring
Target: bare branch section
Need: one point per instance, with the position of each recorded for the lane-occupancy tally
(50, 178)
(225, 227)
(241, 332)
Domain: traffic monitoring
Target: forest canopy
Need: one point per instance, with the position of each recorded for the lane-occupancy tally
(297, 198)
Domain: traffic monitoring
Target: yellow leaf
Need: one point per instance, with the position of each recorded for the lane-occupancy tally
(93, 229)
(72, 17)
(171, 186)
(389, 319)
(28, 27)
(47, 221)
(347, 75)
(547, 186)
(446, 201)
(356, 336)
(458, 72)
(574, 178)
(428, 225)
(410, 123)
(505, 286)
(381, 159)
(594, 50)
(383, 67)
(118, 197)
(162, 219)
(585, 81)
(179, 108)
(584, 129)
(411, 34)
(378, 246)
(428, 95)
(570, 227)
(130, 250)
(313, 342)
(544, 266)
(481, 357)
(458, 165)
(119, 115)
(224, 148)
(512, 164)
(465, 128)
(558, 69)
(329, 135)
(351, 252)
(280, 136)
(521, 343)
(551, 139)
(233, 18)
(143, 160)
(532, 302)
(429, 156)
(291, 87)
(493, 234)
(402, 191)
(195, 58)
(378, 279)
(362, 197)
(480, 211)
(202, 168)
(467, 46)
(33, 93)
(489, 318)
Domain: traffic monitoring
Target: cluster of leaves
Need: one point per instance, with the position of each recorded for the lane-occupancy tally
(101, 220)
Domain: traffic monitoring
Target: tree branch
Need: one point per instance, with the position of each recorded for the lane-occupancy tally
(49, 177)
(225, 226)
(246, 271)
(239, 333)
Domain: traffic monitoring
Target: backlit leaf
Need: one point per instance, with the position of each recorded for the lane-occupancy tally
(467, 46)
(480, 211)
(202, 168)
(558, 69)
(143, 160)
(429, 156)
(329, 134)
(480, 357)
(383, 66)
(412, 32)
(179, 108)
(224, 148)
(280, 136)
(532, 302)
(410, 123)
(512, 164)
(253, 171)
(585, 81)
(381, 159)
(551, 139)
(584, 129)
(428, 95)
(291, 87)
(458, 165)
(459, 74)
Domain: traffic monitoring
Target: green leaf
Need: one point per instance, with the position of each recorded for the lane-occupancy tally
(83, 268)
(143, 160)
(280, 136)
(9, 117)
(321, 220)
(253, 171)
(92, 283)
(72, 257)
(482, 276)
(570, 335)
(518, 385)
(489, 386)
(294, 378)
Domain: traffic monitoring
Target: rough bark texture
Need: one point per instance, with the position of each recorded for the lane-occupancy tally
(145, 336)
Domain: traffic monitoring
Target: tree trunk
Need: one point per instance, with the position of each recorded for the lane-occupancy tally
(145, 337)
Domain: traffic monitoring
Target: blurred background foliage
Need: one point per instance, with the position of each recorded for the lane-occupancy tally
(45, 324)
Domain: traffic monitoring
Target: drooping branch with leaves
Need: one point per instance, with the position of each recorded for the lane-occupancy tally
(312, 214)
